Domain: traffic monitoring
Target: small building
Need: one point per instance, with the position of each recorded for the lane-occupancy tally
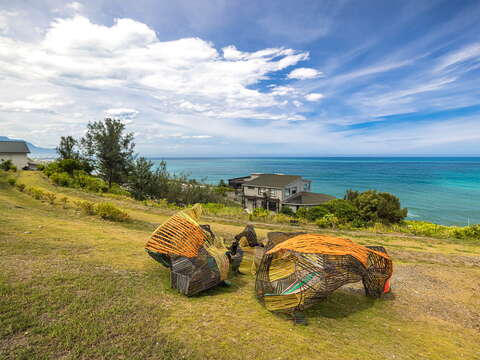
(272, 191)
(16, 151)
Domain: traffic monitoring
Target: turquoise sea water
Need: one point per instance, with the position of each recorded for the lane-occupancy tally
(442, 190)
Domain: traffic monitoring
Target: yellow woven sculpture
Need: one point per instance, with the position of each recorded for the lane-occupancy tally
(188, 248)
(179, 235)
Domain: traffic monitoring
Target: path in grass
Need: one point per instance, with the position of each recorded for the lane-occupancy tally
(74, 286)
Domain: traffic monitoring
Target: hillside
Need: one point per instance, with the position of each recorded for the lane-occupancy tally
(76, 286)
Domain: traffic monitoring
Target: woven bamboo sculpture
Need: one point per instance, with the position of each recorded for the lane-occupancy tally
(198, 260)
(299, 270)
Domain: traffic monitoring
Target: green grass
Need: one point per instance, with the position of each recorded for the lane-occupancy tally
(76, 286)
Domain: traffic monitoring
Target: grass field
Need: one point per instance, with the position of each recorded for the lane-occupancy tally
(75, 286)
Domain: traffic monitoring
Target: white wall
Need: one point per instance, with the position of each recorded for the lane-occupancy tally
(254, 192)
(19, 160)
(299, 184)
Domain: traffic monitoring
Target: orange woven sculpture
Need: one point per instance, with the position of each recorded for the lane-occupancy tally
(326, 244)
(299, 270)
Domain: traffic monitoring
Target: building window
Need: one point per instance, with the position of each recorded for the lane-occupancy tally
(261, 191)
(294, 190)
(250, 187)
(287, 192)
(273, 192)
(306, 186)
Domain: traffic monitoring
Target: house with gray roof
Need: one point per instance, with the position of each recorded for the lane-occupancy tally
(16, 151)
(272, 191)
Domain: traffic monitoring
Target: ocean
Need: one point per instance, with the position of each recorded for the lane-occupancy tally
(442, 190)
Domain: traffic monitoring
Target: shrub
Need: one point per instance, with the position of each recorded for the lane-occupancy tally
(20, 187)
(118, 190)
(87, 207)
(49, 196)
(12, 181)
(466, 232)
(36, 193)
(89, 182)
(259, 213)
(287, 210)
(328, 221)
(66, 165)
(344, 210)
(374, 206)
(302, 213)
(313, 213)
(108, 211)
(62, 179)
(282, 219)
(7, 165)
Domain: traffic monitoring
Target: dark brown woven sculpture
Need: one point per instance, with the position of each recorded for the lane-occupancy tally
(198, 260)
(299, 270)
(250, 234)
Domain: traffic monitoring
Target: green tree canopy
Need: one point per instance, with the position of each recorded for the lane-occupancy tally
(67, 149)
(109, 149)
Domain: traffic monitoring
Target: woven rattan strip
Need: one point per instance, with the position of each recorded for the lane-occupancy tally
(325, 244)
(179, 235)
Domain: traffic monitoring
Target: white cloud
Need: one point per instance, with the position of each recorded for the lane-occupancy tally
(469, 52)
(76, 6)
(46, 103)
(122, 113)
(304, 73)
(314, 97)
(76, 53)
(184, 89)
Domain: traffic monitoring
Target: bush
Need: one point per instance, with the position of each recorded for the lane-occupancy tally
(282, 219)
(36, 193)
(62, 179)
(7, 165)
(328, 221)
(472, 232)
(302, 213)
(344, 210)
(66, 165)
(20, 187)
(89, 182)
(374, 206)
(259, 213)
(49, 196)
(287, 210)
(313, 213)
(108, 211)
(12, 181)
(118, 190)
(87, 207)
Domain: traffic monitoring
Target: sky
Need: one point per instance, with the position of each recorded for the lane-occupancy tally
(246, 78)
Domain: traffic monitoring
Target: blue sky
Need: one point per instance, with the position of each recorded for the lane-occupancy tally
(226, 78)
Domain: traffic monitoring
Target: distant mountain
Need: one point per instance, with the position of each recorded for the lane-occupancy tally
(36, 151)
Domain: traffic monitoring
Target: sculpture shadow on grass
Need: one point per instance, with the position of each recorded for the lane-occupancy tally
(344, 303)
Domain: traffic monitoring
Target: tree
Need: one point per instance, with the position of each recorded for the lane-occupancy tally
(109, 149)
(374, 206)
(66, 148)
(344, 210)
(222, 183)
(142, 179)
